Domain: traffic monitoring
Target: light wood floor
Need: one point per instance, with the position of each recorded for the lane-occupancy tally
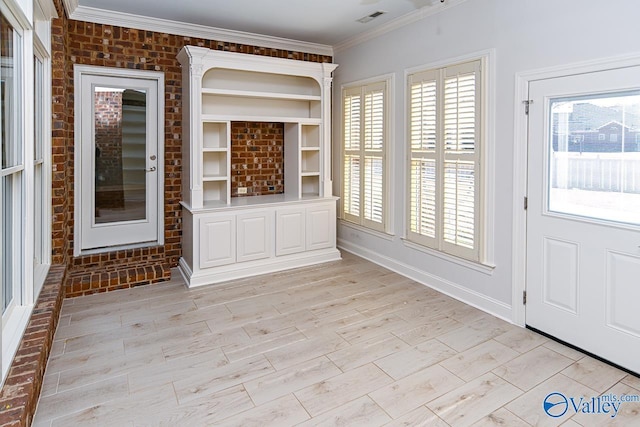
(347, 343)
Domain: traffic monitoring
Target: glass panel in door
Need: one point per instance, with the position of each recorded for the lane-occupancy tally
(594, 158)
(120, 155)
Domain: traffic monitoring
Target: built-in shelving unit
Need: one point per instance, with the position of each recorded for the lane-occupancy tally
(218, 89)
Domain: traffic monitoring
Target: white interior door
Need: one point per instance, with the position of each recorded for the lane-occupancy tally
(120, 161)
(583, 221)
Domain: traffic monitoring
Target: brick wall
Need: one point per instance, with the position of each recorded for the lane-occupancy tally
(257, 155)
(111, 46)
(61, 141)
(75, 42)
(21, 389)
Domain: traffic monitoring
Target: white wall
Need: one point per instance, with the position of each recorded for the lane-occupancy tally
(526, 35)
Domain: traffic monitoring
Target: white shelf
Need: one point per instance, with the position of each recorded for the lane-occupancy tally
(309, 135)
(211, 178)
(267, 119)
(261, 95)
(215, 135)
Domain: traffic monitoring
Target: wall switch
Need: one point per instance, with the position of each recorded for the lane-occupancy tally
(242, 190)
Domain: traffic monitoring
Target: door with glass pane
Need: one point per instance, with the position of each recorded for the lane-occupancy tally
(583, 221)
(119, 162)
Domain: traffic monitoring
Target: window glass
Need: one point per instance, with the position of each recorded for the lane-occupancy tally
(591, 176)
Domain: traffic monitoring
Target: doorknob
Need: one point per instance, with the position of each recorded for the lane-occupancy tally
(151, 169)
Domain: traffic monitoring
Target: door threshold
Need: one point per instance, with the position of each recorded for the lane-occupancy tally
(587, 353)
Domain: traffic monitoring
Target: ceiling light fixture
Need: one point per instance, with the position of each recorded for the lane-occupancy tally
(371, 17)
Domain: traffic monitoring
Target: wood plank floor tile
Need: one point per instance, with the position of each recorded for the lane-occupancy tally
(329, 394)
(342, 343)
(415, 390)
(362, 412)
(474, 400)
(283, 412)
(280, 383)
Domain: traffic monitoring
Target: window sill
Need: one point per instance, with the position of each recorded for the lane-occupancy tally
(382, 235)
(480, 267)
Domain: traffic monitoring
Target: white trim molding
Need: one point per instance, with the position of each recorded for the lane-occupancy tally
(109, 17)
(470, 297)
(70, 6)
(520, 161)
(400, 22)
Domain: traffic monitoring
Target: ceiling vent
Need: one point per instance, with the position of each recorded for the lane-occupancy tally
(370, 17)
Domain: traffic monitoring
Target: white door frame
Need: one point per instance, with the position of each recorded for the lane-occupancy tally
(158, 77)
(520, 162)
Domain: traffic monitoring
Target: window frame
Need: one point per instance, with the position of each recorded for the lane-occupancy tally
(42, 162)
(35, 40)
(481, 257)
(384, 83)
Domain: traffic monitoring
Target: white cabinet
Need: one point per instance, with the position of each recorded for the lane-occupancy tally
(249, 239)
(254, 236)
(305, 229)
(217, 240)
(290, 231)
(228, 237)
(319, 231)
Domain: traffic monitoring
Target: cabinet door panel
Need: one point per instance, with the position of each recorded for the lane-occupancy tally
(217, 241)
(321, 227)
(254, 236)
(290, 231)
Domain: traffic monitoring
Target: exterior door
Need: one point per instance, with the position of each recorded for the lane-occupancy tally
(120, 161)
(583, 220)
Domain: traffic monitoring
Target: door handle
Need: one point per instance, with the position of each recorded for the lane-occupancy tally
(151, 169)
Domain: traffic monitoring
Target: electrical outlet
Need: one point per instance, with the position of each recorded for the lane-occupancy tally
(242, 190)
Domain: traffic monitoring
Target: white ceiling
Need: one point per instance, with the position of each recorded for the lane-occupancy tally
(327, 22)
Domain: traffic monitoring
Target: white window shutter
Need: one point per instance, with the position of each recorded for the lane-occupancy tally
(364, 136)
(444, 129)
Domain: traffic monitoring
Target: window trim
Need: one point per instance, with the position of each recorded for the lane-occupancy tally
(35, 33)
(41, 270)
(486, 206)
(388, 80)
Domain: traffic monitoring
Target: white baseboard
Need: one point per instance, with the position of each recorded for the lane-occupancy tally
(472, 298)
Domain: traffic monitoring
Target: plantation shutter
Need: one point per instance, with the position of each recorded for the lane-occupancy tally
(445, 159)
(351, 137)
(423, 110)
(364, 152)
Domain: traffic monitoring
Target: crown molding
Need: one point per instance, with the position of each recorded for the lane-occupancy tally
(108, 17)
(399, 22)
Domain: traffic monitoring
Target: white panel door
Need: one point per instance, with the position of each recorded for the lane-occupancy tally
(119, 160)
(321, 230)
(217, 241)
(254, 236)
(290, 231)
(583, 221)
